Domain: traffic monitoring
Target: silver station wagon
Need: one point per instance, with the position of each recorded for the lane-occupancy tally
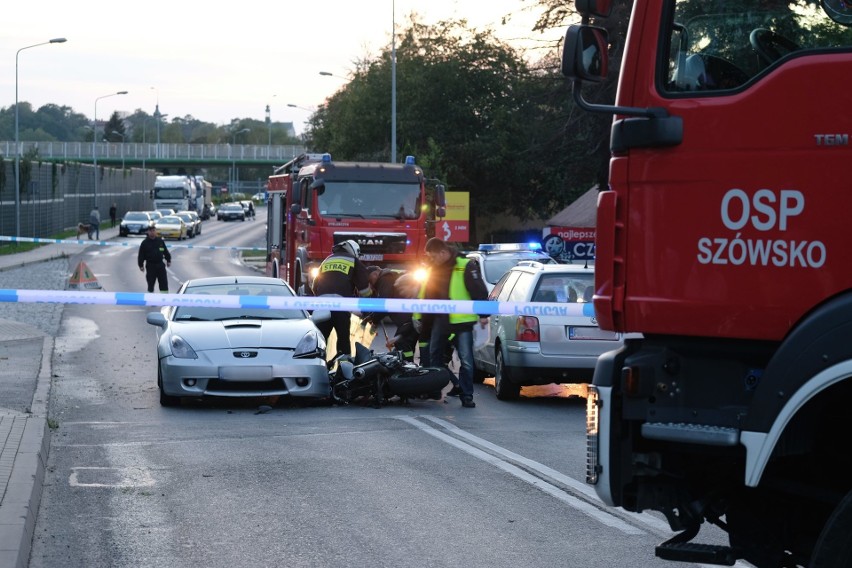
(544, 344)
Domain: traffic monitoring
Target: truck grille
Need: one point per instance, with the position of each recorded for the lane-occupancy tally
(375, 243)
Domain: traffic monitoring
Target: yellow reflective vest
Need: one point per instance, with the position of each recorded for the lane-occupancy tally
(458, 291)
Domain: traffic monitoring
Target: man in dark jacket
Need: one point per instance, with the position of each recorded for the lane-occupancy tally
(341, 274)
(152, 254)
(454, 277)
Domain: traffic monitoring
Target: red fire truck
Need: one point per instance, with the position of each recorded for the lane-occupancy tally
(722, 239)
(315, 203)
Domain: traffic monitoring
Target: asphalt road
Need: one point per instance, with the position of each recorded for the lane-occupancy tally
(279, 483)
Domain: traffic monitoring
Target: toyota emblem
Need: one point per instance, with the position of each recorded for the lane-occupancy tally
(245, 354)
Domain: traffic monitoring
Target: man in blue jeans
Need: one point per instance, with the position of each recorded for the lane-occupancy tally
(454, 277)
(95, 222)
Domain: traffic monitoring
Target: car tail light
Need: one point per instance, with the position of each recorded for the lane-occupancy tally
(526, 329)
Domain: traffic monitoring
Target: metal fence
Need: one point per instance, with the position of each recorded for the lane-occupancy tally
(148, 151)
(55, 197)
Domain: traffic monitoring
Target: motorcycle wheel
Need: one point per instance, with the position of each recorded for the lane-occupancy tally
(419, 381)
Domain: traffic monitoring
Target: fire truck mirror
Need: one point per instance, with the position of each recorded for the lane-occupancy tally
(318, 183)
(295, 209)
(584, 55)
(440, 196)
(599, 8)
(440, 212)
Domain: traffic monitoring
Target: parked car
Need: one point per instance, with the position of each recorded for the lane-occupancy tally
(552, 345)
(135, 223)
(193, 222)
(205, 350)
(231, 212)
(259, 197)
(248, 207)
(171, 227)
(498, 258)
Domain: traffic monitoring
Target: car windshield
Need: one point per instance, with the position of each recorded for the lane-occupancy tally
(169, 221)
(363, 199)
(204, 313)
(565, 288)
(185, 217)
(135, 217)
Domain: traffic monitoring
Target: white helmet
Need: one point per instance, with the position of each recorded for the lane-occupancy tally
(350, 247)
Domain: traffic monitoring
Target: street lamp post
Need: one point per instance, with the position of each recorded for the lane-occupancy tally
(95, 139)
(17, 137)
(329, 74)
(234, 158)
(393, 82)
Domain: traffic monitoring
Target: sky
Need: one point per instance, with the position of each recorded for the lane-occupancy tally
(216, 61)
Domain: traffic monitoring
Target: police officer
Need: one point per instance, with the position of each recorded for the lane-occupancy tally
(152, 253)
(454, 277)
(341, 274)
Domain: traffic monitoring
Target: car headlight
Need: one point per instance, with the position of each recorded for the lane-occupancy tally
(181, 349)
(311, 345)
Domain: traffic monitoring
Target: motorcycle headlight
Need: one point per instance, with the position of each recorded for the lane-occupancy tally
(181, 349)
(311, 345)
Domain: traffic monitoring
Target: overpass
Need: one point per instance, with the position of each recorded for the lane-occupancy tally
(153, 155)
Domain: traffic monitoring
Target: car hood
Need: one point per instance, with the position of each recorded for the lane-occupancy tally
(239, 333)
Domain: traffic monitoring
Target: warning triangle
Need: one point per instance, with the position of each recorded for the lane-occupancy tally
(83, 279)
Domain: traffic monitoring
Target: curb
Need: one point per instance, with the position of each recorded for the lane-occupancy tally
(19, 510)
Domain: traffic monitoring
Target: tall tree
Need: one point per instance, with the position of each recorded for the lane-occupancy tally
(469, 107)
(114, 130)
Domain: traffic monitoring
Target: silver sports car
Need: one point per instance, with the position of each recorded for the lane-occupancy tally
(206, 350)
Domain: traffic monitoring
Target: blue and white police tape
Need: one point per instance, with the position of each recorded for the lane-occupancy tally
(333, 303)
(134, 244)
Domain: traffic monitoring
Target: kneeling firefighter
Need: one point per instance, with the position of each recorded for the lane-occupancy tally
(342, 274)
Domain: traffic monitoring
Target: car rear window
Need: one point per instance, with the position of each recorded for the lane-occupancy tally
(564, 288)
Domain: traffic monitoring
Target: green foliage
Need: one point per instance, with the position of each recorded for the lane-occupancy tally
(114, 130)
(474, 113)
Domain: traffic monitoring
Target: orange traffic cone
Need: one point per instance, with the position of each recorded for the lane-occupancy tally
(83, 279)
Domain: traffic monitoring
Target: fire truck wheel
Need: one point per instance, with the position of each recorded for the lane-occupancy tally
(833, 548)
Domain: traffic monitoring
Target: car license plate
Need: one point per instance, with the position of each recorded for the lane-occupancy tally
(246, 373)
(372, 257)
(588, 332)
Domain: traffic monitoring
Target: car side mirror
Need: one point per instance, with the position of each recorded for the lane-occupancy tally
(320, 316)
(158, 319)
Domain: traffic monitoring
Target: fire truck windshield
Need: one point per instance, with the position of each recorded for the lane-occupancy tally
(370, 199)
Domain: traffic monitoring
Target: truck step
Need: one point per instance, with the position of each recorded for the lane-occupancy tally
(695, 552)
(691, 433)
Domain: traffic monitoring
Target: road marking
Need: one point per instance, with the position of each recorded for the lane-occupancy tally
(552, 490)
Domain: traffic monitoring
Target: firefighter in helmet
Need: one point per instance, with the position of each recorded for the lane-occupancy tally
(341, 274)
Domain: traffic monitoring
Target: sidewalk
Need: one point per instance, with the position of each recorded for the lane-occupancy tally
(25, 373)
